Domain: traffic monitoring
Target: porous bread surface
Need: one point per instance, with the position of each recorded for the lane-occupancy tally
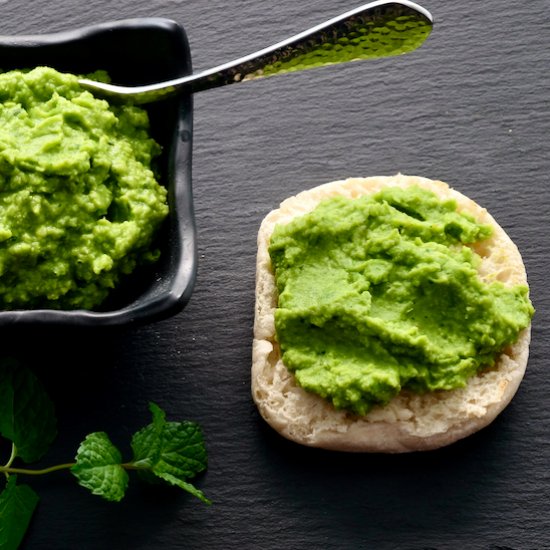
(410, 422)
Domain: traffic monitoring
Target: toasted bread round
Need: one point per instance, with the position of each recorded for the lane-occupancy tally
(410, 422)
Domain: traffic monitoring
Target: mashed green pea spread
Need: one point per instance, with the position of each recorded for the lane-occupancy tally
(379, 294)
(79, 202)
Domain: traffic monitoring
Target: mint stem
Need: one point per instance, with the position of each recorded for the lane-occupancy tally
(27, 471)
(134, 466)
(10, 461)
(8, 470)
(12, 456)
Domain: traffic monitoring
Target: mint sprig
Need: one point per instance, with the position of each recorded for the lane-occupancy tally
(173, 452)
(170, 451)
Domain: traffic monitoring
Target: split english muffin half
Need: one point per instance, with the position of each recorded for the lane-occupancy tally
(410, 421)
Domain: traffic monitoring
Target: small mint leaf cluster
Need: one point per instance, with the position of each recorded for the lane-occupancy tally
(171, 451)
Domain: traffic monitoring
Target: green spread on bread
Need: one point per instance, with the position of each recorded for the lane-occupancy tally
(382, 293)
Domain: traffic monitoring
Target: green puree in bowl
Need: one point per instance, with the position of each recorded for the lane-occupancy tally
(379, 293)
(79, 202)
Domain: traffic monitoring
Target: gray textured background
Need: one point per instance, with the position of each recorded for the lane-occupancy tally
(472, 108)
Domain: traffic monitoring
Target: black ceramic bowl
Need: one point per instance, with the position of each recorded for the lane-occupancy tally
(133, 52)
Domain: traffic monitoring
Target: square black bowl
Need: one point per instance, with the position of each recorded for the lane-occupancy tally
(133, 52)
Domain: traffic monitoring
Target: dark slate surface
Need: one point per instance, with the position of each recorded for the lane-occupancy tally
(472, 108)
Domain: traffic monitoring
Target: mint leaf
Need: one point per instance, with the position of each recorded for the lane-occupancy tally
(173, 451)
(17, 504)
(6, 399)
(146, 443)
(27, 416)
(98, 467)
(185, 485)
